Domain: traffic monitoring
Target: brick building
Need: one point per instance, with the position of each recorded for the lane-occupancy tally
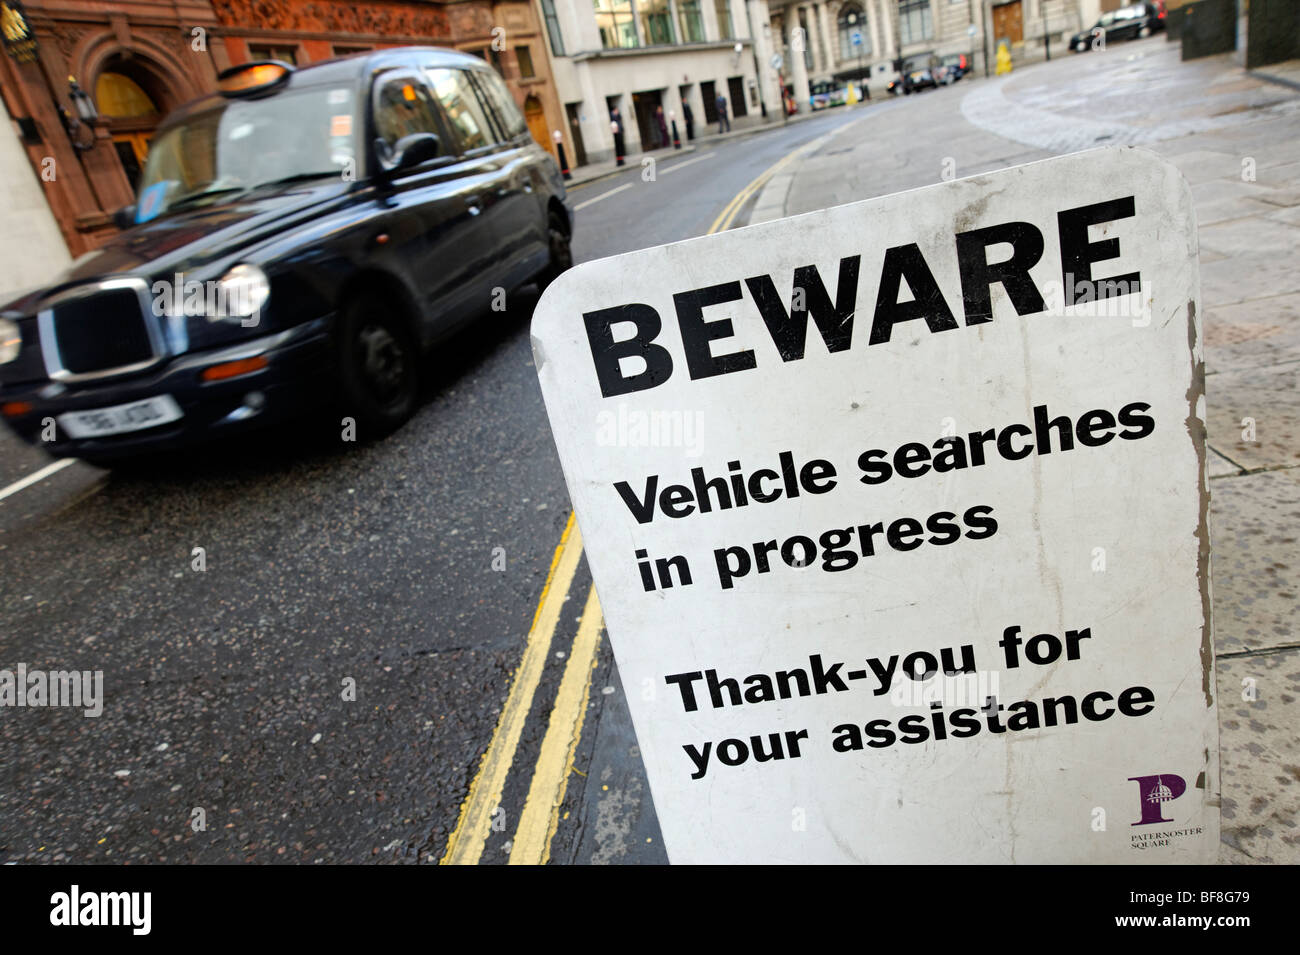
(138, 59)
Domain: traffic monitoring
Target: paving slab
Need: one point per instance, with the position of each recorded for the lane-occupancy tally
(1257, 334)
(1260, 756)
(1253, 416)
(1254, 523)
(1204, 165)
(1259, 260)
(1219, 466)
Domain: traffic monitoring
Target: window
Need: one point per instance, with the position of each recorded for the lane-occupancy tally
(298, 132)
(289, 54)
(852, 20)
(914, 23)
(723, 8)
(347, 50)
(120, 97)
(489, 55)
(614, 20)
(462, 106)
(503, 104)
(553, 27)
(524, 57)
(656, 22)
(690, 20)
(404, 107)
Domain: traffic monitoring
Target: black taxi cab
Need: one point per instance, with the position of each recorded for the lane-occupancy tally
(300, 235)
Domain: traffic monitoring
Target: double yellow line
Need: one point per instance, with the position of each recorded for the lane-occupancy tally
(728, 215)
(465, 847)
(540, 816)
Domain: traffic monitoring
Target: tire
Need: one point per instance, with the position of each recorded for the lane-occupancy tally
(378, 362)
(1144, 32)
(561, 253)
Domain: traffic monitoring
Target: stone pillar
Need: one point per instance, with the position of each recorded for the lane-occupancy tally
(828, 50)
(768, 81)
(798, 70)
(886, 29)
(814, 39)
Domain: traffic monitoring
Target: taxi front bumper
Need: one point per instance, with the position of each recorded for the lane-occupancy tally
(299, 363)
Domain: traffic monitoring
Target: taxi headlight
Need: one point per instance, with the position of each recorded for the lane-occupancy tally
(244, 290)
(11, 340)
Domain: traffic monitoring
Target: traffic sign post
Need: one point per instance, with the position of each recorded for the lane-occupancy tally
(776, 62)
(897, 512)
(856, 39)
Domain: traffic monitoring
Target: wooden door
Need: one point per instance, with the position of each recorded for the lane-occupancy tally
(1008, 22)
(535, 115)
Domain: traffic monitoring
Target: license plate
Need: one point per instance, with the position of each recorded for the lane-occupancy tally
(117, 419)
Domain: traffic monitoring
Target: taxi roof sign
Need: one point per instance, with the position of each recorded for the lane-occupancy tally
(252, 79)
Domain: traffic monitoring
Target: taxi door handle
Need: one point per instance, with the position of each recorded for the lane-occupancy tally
(474, 204)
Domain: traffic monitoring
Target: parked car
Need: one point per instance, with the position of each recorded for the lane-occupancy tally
(825, 94)
(952, 68)
(1127, 23)
(298, 234)
(913, 81)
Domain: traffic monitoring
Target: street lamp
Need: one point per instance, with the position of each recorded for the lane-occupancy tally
(85, 118)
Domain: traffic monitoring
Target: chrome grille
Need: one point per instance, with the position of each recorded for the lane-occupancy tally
(98, 330)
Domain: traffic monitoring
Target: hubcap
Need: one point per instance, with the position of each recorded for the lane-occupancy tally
(382, 363)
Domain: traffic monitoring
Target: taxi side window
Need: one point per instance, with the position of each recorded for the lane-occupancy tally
(462, 107)
(503, 104)
(403, 106)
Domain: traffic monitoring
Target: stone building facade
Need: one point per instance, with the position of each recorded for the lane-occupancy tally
(642, 56)
(849, 40)
(139, 59)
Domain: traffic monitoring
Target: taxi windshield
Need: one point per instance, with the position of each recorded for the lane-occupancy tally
(241, 144)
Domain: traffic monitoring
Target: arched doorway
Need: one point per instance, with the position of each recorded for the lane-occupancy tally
(133, 101)
(536, 118)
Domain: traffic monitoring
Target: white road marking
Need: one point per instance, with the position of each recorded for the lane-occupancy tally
(37, 477)
(674, 168)
(629, 185)
(603, 195)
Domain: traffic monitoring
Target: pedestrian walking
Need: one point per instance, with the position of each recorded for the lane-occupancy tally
(690, 120)
(616, 127)
(723, 123)
(661, 125)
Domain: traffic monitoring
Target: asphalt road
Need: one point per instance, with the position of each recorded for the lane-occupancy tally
(324, 688)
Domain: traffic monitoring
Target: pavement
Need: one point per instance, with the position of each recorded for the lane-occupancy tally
(1234, 136)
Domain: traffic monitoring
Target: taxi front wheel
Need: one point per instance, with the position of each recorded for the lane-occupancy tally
(378, 365)
(561, 254)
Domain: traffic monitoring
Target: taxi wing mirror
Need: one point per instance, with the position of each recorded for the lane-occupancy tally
(413, 150)
(124, 218)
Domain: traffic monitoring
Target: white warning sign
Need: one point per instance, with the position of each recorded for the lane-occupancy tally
(898, 517)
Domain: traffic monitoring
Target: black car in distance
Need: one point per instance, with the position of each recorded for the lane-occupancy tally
(1133, 22)
(299, 236)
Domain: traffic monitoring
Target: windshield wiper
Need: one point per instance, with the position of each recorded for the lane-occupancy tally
(183, 200)
(298, 177)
